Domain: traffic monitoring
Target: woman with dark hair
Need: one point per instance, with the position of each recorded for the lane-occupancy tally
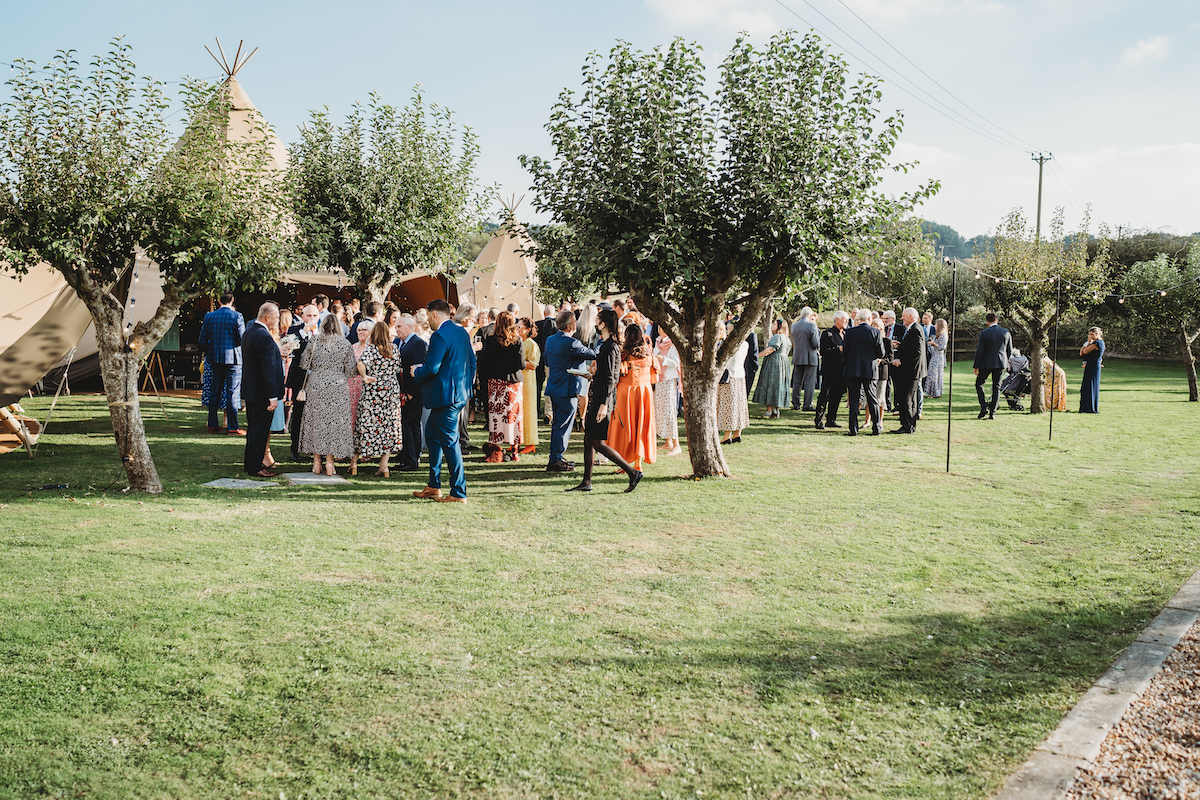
(325, 428)
(601, 399)
(532, 355)
(632, 431)
(377, 428)
(504, 361)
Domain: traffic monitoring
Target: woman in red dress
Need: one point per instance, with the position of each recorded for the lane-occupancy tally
(632, 431)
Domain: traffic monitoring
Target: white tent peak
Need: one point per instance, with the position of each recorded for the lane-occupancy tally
(238, 61)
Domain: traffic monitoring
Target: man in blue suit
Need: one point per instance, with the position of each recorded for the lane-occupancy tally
(221, 339)
(445, 380)
(412, 352)
(563, 352)
(262, 387)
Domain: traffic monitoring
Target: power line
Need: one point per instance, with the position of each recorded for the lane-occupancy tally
(958, 119)
(935, 82)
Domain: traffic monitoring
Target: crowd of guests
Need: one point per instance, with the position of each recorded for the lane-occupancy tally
(378, 384)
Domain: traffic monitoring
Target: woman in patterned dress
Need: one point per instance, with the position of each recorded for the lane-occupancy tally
(504, 362)
(666, 395)
(774, 379)
(377, 432)
(933, 381)
(733, 412)
(325, 428)
(362, 332)
(532, 354)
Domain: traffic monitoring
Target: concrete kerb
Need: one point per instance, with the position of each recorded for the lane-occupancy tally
(1076, 741)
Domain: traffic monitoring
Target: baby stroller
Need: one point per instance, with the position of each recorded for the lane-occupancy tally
(1016, 384)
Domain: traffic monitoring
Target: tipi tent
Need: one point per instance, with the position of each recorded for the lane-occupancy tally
(501, 273)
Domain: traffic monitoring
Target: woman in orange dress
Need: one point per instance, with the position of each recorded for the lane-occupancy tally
(632, 431)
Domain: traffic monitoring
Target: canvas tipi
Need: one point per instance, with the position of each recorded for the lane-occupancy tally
(502, 272)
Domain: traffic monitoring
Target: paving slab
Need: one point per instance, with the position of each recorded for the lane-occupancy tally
(311, 479)
(1169, 627)
(1082, 731)
(1044, 775)
(241, 483)
(1188, 596)
(1135, 668)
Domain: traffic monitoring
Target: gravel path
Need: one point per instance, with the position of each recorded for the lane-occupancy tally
(1155, 751)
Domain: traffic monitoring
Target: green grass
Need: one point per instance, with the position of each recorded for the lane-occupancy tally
(842, 619)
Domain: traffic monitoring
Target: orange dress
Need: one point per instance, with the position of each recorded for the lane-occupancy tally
(631, 430)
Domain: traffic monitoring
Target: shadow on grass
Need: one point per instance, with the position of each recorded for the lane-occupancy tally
(933, 659)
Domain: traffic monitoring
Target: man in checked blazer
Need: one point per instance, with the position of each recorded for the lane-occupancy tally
(221, 339)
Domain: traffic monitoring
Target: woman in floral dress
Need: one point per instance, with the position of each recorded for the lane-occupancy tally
(937, 364)
(377, 432)
(362, 333)
(325, 428)
(502, 363)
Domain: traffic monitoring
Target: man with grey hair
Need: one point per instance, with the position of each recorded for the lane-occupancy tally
(806, 347)
(833, 384)
(890, 331)
(909, 369)
(412, 350)
(262, 386)
(513, 309)
(863, 351)
(545, 329)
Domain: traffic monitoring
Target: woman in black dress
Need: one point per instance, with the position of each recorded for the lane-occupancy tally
(601, 400)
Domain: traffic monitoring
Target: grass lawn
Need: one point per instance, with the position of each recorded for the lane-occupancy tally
(842, 619)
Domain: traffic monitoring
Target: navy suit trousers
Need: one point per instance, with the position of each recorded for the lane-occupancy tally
(226, 385)
(560, 432)
(441, 433)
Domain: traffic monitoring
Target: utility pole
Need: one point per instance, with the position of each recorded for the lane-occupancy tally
(1041, 158)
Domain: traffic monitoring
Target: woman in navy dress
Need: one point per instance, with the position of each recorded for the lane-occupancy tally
(1093, 353)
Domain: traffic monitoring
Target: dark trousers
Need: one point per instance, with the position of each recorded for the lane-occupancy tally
(861, 388)
(560, 430)
(297, 418)
(907, 392)
(258, 431)
(830, 398)
(979, 379)
(410, 434)
(804, 382)
(441, 433)
(464, 437)
(227, 386)
(541, 381)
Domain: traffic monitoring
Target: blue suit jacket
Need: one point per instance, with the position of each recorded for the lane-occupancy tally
(221, 336)
(449, 368)
(564, 352)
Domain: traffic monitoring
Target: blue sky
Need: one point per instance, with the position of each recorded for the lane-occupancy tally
(1108, 87)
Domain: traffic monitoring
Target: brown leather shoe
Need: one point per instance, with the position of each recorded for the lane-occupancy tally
(450, 499)
(429, 493)
(265, 473)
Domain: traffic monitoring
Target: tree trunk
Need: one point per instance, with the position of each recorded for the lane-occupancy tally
(376, 291)
(1189, 362)
(1037, 334)
(119, 368)
(700, 420)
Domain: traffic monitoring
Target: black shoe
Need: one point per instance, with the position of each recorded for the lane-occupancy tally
(583, 487)
(850, 433)
(876, 431)
(634, 480)
(983, 412)
(408, 469)
(820, 426)
(559, 466)
(726, 441)
(808, 409)
(991, 415)
(900, 430)
(737, 440)
(299, 457)
(469, 448)
(833, 424)
(568, 462)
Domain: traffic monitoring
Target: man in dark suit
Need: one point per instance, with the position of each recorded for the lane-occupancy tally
(833, 384)
(305, 330)
(412, 352)
(895, 333)
(909, 368)
(806, 346)
(992, 352)
(564, 352)
(221, 340)
(545, 329)
(262, 386)
(445, 379)
(863, 347)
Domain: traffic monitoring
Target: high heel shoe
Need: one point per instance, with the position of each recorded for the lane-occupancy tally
(330, 468)
(316, 466)
(382, 472)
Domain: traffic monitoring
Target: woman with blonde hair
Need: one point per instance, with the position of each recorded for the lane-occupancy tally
(377, 428)
(1054, 385)
(666, 394)
(362, 333)
(937, 364)
(532, 355)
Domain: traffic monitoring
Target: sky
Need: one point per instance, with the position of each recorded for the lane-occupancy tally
(1105, 86)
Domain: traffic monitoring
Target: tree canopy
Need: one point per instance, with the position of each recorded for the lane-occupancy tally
(389, 192)
(1165, 296)
(691, 203)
